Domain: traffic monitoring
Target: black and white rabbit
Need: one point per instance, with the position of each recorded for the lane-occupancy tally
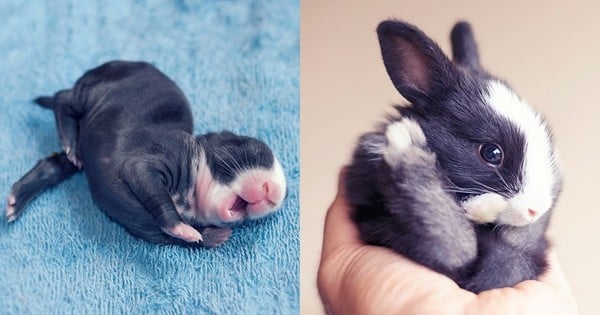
(130, 128)
(464, 178)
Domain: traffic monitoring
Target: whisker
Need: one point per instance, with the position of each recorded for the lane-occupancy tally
(465, 191)
(506, 185)
(489, 189)
(454, 186)
(237, 167)
(228, 168)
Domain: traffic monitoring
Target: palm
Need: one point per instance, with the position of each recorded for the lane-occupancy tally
(355, 278)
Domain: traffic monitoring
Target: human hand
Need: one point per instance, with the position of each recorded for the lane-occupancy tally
(355, 278)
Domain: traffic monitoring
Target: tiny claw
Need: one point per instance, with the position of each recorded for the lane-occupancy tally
(74, 160)
(12, 200)
(10, 214)
(72, 156)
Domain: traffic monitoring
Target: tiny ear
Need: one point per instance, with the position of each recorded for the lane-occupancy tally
(464, 47)
(416, 65)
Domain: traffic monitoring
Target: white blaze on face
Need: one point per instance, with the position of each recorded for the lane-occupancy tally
(535, 197)
(252, 194)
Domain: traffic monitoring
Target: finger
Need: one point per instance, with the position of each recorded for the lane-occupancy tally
(339, 227)
(550, 294)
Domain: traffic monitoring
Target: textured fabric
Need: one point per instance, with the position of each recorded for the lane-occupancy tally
(237, 62)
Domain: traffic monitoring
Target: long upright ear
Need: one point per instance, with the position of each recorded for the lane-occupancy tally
(464, 47)
(417, 66)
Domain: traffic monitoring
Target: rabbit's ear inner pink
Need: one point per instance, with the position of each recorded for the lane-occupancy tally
(415, 64)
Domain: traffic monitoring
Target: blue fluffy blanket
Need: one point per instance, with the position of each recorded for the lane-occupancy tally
(238, 64)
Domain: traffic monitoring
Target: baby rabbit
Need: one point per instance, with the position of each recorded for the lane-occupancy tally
(464, 178)
(130, 128)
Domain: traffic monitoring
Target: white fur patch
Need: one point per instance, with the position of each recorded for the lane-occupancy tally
(401, 135)
(485, 208)
(539, 165)
(276, 177)
(209, 194)
(213, 198)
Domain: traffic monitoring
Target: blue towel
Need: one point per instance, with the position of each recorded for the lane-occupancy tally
(237, 62)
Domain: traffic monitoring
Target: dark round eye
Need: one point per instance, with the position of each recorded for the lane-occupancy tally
(491, 154)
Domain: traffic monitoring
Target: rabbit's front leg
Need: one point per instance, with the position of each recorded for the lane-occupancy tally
(418, 219)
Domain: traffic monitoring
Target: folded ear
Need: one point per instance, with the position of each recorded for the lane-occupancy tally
(464, 47)
(416, 65)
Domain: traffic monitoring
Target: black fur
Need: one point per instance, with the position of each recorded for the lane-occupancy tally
(464, 48)
(225, 149)
(413, 207)
(45, 101)
(131, 128)
(46, 173)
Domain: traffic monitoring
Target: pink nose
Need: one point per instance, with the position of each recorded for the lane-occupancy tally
(255, 193)
(532, 212)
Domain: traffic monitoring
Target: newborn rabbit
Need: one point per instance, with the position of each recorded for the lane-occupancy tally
(129, 127)
(463, 179)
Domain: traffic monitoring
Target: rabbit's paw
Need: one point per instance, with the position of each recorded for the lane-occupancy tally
(484, 208)
(402, 137)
